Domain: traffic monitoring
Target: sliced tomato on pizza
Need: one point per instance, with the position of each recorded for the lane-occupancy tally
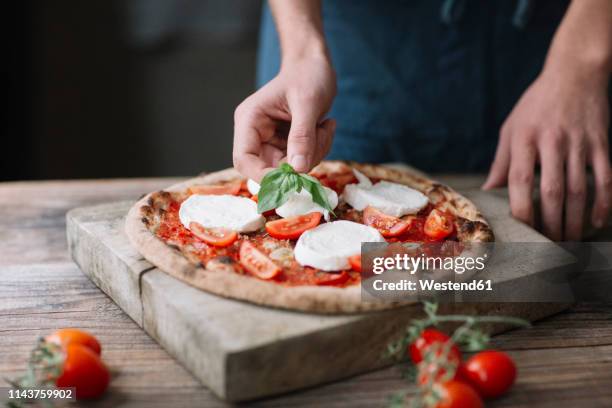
(293, 227)
(256, 262)
(217, 229)
(231, 188)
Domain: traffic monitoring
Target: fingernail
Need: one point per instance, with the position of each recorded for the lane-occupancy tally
(299, 162)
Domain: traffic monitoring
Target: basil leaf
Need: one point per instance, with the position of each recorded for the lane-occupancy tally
(286, 168)
(278, 184)
(276, 188)
(297, 182)
(270, 197)
(316, 190)
(272, 177)
(311, 178)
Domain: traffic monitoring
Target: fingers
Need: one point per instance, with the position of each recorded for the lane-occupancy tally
(576, 185)
(325, 135)
(498, 175)
(247, 159)
(603, 186)
(247, 144)
(272, 155)
(302, 141)
(552, 185)
(520, 179)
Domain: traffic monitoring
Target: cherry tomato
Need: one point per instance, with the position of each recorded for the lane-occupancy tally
(438, 225)
(256, 262)
(491, 373)
(456, 394)
(219, 237)
(426, 339)
(293, 227)
(64, 337)
(426, 370)
(331, 279)
(355, 262)
(231, 188)
(84, 370)
(387, 225)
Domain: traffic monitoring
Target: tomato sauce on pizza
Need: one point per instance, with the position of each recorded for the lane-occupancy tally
(268, 252)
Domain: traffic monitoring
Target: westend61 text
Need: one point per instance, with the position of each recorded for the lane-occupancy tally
(429, 285)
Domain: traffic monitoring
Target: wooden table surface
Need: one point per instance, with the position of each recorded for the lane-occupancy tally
(565, 360)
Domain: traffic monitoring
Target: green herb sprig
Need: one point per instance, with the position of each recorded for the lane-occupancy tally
(44, 367)
(278, 184)
(466, 336)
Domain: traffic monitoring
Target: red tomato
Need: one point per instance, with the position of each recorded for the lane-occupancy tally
(426, 339)
(336, 181)
(219, 237)
(84, 370)
(244, 187)
(387, 225)
(256, 262)
(293, 227)
(455, 394)
(231, 188)
(331, 279)
(438, 224)
(491, 373)
(426, 370)
(64, 337)
(355, 262)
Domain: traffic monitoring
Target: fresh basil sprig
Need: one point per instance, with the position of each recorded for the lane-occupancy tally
(278, 184)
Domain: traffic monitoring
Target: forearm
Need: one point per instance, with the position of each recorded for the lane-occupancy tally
(583, 42)
(300, 28)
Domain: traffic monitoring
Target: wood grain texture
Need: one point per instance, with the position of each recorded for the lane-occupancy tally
(240, 350)
(564, 361)
(244, 351)
(124, 266)
(34, 213)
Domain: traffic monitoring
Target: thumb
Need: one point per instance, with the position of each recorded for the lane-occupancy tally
(302, 140)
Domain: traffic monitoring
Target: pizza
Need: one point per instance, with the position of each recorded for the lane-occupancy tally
(207, 232)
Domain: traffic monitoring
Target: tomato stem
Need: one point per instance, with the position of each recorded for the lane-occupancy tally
(44, 367)
(437, 364)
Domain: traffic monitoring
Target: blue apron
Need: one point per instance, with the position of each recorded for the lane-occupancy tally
(427, 82)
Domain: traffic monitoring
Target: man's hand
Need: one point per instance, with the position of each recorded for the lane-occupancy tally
(562, 122)
(283, 120)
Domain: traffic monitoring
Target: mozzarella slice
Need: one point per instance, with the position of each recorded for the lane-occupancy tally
(253, 186)
(362, 179)
(391, 198)
(328, 246)
(301, 203)
(221, 211)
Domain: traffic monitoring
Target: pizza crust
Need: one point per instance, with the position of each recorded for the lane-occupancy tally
(318, 299)
(474, 227)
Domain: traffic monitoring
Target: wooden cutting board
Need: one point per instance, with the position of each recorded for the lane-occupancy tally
(243, 351)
